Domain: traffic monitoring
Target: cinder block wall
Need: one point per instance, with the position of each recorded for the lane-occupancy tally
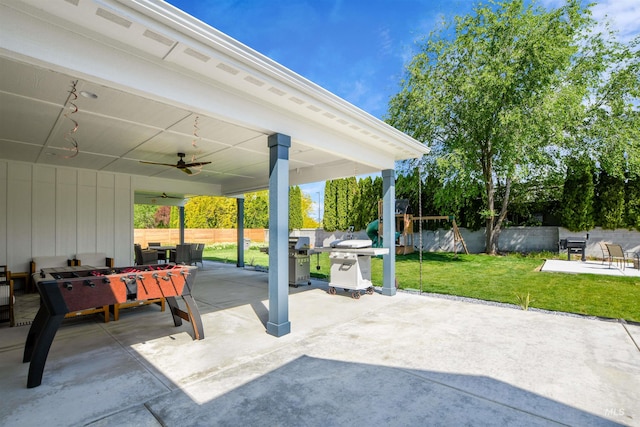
(628, 239)
(513, 239)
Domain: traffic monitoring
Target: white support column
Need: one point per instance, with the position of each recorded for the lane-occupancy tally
(240, 229)
(278, 324)
(389, 231)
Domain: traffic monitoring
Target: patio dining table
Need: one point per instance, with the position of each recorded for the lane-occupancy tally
(166, 248)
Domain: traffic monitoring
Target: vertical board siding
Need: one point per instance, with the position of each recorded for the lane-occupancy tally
(4, 240)
(19, 231)
(44, 207)
(87, 227)
(105, 215)
(66, 212)
(48, 210)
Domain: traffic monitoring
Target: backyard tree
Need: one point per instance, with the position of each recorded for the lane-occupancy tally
(510, 90)
(144, 216)
(307, 212)
(210, 212)
(330, 220)
(256, 209)
(295, 208)
(577, 210)
(367, 208)
(632, 202)
(163, 217)
(610, 201)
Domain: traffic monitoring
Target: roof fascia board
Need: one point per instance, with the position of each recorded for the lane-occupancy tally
(192, 28)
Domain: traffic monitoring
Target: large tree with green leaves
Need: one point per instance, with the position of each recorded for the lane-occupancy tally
(632, 202)
(509, 90)
(577, 208)
(295, 208)
(210, 212)
(330, 220)
(610, 211)
(256, 209)
(144, 216)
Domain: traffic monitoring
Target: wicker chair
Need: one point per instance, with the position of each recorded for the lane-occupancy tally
(7, 299)
(181, 254)
(162, 254)
(145, 256)
(196, 254)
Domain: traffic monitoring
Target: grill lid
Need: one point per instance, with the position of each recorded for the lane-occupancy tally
(351, 244)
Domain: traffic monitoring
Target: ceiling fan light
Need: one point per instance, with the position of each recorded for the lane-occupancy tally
(88, 94)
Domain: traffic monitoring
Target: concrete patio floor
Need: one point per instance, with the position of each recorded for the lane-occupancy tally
(403, 360)
(589, 267)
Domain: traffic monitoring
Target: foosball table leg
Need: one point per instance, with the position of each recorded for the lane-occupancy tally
(35, 330)
(194, 317)
(37, 350)
(175, 310)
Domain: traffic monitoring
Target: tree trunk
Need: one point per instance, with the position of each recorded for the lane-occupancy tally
(495, 226)
(487, 170)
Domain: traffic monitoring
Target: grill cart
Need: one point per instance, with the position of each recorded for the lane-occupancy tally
(351, 265)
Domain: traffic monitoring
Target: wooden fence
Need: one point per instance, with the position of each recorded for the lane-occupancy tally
(171, 236)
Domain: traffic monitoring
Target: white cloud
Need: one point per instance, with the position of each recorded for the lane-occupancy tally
(623, 15)
(386, 42)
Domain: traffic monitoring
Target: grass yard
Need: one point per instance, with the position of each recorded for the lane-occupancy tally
(505, 279)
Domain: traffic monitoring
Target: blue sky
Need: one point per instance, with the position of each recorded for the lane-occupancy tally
(356, 49)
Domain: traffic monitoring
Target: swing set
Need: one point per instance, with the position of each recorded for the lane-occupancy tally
(405, 228)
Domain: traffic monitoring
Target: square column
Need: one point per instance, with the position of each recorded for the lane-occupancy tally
(181, 219)
(240, 236)
(278, 324)
(389, 231)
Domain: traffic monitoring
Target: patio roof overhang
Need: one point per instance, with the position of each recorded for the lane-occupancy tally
(168, 83)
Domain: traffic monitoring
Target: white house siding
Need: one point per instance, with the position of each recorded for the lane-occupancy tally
(62, 211)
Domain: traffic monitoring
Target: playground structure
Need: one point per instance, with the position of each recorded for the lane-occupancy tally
(404, 228)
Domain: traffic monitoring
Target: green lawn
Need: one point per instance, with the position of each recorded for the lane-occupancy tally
(491, 278)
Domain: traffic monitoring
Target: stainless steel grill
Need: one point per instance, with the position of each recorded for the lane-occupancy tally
(351, 265)
(299, 261)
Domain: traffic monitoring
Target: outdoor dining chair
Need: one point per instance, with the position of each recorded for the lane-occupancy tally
(181, 254)
(617, 254)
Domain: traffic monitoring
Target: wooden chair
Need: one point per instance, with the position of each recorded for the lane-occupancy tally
(7, 298)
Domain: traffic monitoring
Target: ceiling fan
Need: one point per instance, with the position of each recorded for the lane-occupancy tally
(164, 196)
(184, 167)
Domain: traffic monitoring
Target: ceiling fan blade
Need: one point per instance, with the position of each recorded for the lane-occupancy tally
(161, 164)
(190, 165)
(180, 165)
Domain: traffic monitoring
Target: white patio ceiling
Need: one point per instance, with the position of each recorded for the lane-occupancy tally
(167, 83)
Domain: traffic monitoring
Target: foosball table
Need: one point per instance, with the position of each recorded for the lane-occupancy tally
(67, 292)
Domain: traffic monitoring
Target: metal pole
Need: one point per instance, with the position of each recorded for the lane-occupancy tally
(319, 218)
(420, 222)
